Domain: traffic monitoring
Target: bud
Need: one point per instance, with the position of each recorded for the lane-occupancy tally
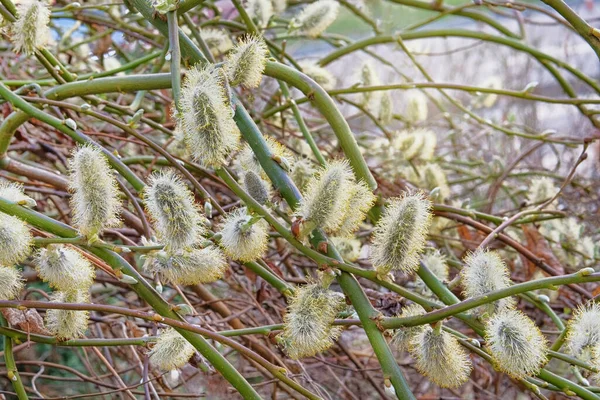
(206, 119)
(361, 201)
(403, 336)
(187, 267)
(95, 200)
(171, 350)
(416, 107)
(15, 240)
(433, 176)
(12, 283)
(315, 17)
(308, 325)
(30, 31)
(64, 268)
(327, 197)
(244, 238)
(246, 62)
(260, 10)
(12, 191)
(324, 78)
(217, 40)
(400, 235)
(440, 358)
(436, 263)
(128, 279)
(256, 187)
(517, 346)
(583, 335)
(68, 324)
(485, 272)
(176, 217)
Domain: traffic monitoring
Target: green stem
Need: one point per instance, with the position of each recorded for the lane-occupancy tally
(11, 366)
(175, 54)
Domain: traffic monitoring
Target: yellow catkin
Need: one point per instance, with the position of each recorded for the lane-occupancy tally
(171, 351)
(308, 325)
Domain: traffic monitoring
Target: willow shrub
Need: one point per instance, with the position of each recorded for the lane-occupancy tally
(274, 198)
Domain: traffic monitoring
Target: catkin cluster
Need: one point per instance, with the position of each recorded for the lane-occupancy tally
(308, 325)
(334, 201)
(180, 227)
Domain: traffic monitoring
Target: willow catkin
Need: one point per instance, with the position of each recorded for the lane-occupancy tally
(416, 107)
(400, 235)
(95, 200)
(246, 62)
(248, 161)
(583, 334)
(360, 202)
(260, 10)
(187, 267)
(171, 351)
(244, 238)
(256, 187)
(217, 40)
(15, 240)
(485, 272)
(315, 17)
(30, 31)
(11, 283)
(64, 268)
(206, 119)
(540, 190)
(516, 344)
(14, 192)
(440, 357)
(171, 205)
(327, 197)
(308, 324)
(436, 263)
(68, 324)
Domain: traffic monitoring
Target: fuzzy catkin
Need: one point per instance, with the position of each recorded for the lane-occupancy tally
(436, 263)
(30, 31)
(308, 325)
(361, 201)
(583, 335)
(171, 205)
(516, 344)
(248, 161)
(316, 17)
(188, 267)
(68, 324)
(440, 358)
(400, 235)
(218, 41)
(13, 191)
(327, 197)
(243, 239)
(246, 62)
(11, 283)
(206, 119)
(15, 240)
(256, 187)
(485, 272)
(95, 200)
(171, 351)
(64, 268)
(416, 107)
